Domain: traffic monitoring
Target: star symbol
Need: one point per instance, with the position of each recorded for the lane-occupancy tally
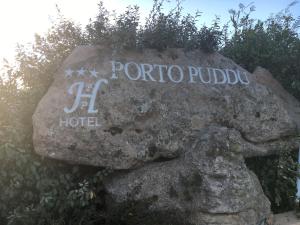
(93, 73)
(68, 73)
(81, 72)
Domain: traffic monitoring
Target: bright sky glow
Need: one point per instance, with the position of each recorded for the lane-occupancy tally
(20, 19)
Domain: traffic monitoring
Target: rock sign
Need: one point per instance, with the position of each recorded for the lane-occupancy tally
(182, 122)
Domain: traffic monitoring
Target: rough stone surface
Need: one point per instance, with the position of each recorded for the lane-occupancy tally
(210, 184)
(288, 218)
(176, 134)
(142, 121)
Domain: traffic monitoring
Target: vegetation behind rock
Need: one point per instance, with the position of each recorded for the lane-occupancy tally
(38, 191)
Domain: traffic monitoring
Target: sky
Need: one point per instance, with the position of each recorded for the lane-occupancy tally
(21, 19)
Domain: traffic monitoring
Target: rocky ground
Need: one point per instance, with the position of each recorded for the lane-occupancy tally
(287, 218)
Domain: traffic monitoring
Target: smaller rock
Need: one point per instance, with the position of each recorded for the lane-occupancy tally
(209, 185)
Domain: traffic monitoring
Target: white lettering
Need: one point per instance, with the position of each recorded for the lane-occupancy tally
(180, 73)
(147, 71)
(233, 73)
(74, 122)
(245, 76)
(79, 121)
(160, 69)
(221, 73)
(138, 70)
(91, 121)
(63, 122)
(201, 76)
(193, 72)
(80, 95)
(115, 68)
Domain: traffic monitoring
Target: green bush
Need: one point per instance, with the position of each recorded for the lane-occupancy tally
(274, 45)
(277, 175)
(39, 191)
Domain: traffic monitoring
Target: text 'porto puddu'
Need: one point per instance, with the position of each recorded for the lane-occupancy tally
(177, 74)
(84, 93)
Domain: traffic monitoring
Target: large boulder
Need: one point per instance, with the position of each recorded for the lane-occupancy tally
(175, 125)
(123, 109)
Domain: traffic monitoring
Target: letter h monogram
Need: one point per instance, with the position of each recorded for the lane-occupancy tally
(80, 95)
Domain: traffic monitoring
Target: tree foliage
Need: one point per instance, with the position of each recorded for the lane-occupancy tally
(273, 44)
(39, 191)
